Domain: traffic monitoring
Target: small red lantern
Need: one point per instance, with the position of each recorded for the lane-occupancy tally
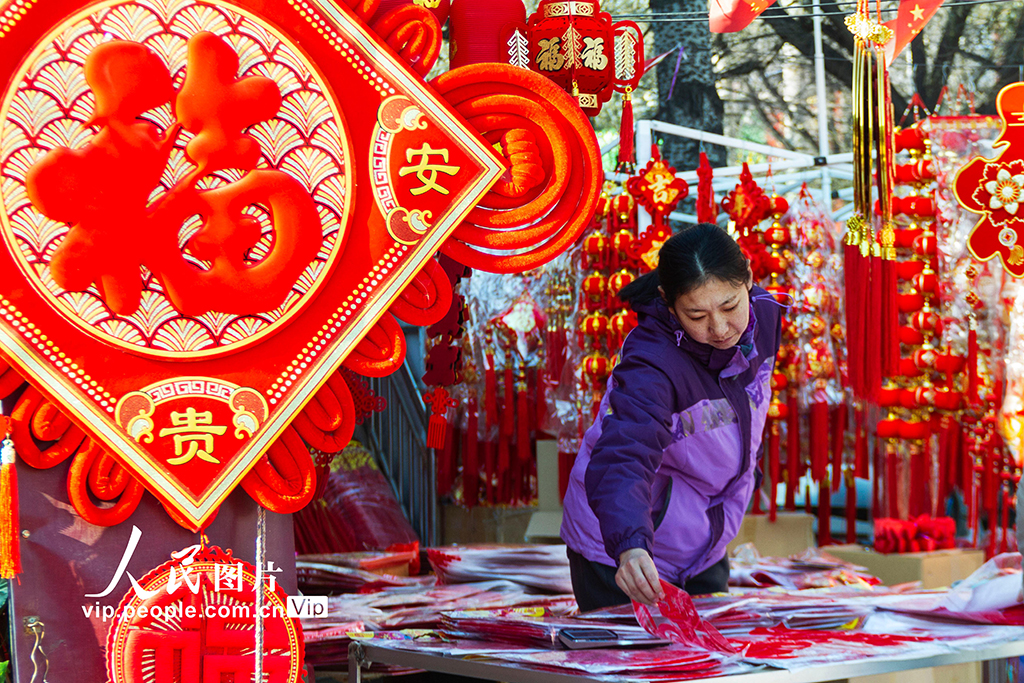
(596, 368)
(926, 281)
(595, 252)
(619, 280)
(595, 325)
(925, 359)
(777, 410)
(926, 321)
(621, 324)
(777, 235)
(595, 286)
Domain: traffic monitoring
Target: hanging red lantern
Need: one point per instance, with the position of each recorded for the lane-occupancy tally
(596, 369)
(620, 324)
(595, 325)
(619, 280)
(595, 251)
(577, 46)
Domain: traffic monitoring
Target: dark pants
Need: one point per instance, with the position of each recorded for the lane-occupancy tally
(595, 587)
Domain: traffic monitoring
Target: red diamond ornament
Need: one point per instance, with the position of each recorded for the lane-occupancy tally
(203, 213)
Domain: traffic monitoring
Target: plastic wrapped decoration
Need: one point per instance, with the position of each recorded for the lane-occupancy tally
(815, 327)
(510, 328)
(976, 313)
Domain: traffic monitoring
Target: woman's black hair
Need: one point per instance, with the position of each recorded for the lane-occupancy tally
(686, 261)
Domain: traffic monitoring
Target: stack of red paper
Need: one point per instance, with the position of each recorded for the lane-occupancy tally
(544, 567)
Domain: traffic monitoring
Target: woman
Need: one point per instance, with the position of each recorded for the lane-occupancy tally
(664, 476)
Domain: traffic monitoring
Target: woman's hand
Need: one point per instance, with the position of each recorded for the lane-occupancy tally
(638, 577)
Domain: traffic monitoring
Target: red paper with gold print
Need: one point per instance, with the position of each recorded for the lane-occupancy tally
(203, 213)
(995, 189)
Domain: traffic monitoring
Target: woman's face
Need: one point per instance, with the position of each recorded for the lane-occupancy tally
(716, 313)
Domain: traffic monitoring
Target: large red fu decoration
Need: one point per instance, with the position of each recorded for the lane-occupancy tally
(995, 189)
(205, 215)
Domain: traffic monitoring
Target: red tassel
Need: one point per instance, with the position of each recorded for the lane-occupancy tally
(873, 331)
(490, 459)
(707, 212)
(854, 281)
(818, 440)
(891, 483)
(490, 393)
(1004, 523)
(792, 450)
(626, 131)
(10, 534)
(838, 444)
(972, 366)
(437, 429)
(508, 417)
(861, 469)
(566, 460)
(523, 424)
(446, 466)
(918, 479)
(851, 507)
(322, 473)
(470, 459)
(890, 320)
(824, 513)
(774, 469)
(876, 481)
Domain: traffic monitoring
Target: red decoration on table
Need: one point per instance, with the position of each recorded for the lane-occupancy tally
(684, 625)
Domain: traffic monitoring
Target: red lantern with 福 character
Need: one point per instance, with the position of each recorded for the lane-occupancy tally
(577, 46)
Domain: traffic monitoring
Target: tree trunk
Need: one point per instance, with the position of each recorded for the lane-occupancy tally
(694, 101)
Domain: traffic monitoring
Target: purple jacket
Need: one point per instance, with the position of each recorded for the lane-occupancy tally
(670, 463)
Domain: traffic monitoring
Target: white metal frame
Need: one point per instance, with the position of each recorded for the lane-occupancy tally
(362, 653)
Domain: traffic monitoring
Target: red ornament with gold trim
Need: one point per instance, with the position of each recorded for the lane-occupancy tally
(195, 616)
(577, 46)
(994, 188)
(657, 189)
